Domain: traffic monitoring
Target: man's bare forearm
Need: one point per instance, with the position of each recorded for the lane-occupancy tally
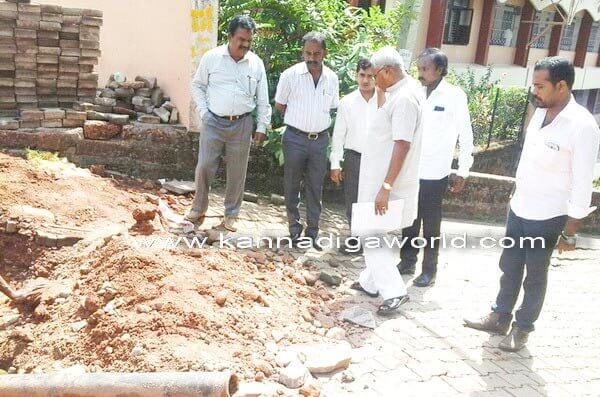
(6, 289)
(401, 149)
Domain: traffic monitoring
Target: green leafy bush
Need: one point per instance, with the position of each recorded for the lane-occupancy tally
(481, 93)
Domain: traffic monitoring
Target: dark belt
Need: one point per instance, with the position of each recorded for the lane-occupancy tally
(230, 118)
(313, 136)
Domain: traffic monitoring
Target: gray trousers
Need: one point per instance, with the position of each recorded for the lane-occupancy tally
(231, 139)
(305, 163)
(351, 174)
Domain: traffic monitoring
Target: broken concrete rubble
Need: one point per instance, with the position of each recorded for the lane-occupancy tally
(141, 99)
(294, 375)
(360, 316)
(323, 358)
(100, 130)
(179, 187)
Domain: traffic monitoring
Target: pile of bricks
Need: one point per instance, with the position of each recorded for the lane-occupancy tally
(47, 118)
(142, 100)
(47, 59)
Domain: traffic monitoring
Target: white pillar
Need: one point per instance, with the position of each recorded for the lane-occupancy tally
(408, 36)
(205, 26)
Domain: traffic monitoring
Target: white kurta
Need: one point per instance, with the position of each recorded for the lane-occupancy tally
(400, 118)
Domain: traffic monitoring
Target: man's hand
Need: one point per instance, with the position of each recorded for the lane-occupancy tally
(259, 138)
(458, 184)
(381, 202)
(336, 176)
(570, 229)
(380, 92)
(280, 108)
(563, 246)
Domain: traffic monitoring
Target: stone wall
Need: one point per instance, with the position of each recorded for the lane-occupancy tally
(486, 197)
(501, 158)
(141, 150)
(164, 151)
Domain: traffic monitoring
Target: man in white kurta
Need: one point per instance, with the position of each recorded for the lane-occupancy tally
(390, 171)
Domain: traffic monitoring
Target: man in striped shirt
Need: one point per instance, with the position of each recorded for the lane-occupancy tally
(306, 94)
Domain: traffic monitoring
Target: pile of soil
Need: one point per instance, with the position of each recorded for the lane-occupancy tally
(117, 304)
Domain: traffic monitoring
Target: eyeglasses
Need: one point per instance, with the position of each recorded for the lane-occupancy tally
(377, 72)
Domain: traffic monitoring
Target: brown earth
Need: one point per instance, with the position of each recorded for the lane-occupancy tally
(145, 309)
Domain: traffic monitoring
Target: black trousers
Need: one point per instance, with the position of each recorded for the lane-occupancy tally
(431, 194)
(351, 174)
(305, 165)
(531, 255)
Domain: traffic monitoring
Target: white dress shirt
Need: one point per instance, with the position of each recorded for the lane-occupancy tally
(351, 125)
(446, 119)
(308, 107)
(230, 88)
(555, 173)
(400, 118)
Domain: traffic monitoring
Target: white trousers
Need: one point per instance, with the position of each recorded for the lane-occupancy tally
(381, 274)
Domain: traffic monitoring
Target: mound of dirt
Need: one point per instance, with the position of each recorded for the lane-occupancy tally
(122, 303)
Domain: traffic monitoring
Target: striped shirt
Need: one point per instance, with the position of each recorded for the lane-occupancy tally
(230, 88)
(308, 107)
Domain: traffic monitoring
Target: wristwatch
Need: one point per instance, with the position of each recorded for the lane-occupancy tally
(387, 186)
(571, 240)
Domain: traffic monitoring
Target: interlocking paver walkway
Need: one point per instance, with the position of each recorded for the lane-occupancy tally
(424, 349)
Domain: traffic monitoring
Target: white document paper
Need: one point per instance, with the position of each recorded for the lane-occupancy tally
(366, 223)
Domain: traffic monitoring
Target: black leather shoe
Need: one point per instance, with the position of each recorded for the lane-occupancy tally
(353, 250)
(295, 239)
(515, 341)
(424, 280)
(405, 268)
(391, 305)
(350, 251)
(357, 287)
(315, 244)
(494, 322)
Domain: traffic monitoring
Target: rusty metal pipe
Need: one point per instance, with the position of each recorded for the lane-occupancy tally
(166, 384)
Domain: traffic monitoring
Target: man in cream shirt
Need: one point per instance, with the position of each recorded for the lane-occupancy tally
(389, 170)
(229, 85)
(349, 138)
(553, 193)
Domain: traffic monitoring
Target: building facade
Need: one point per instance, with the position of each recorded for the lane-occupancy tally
(509, 36)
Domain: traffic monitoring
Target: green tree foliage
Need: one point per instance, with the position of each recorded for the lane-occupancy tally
(351, 33)
(481, 93)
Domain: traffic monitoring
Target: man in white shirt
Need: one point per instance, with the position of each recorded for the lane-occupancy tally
(446, 119)
(553, 193)
(349, 137)
(306, 94)
(389, 170)
(229, 85)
